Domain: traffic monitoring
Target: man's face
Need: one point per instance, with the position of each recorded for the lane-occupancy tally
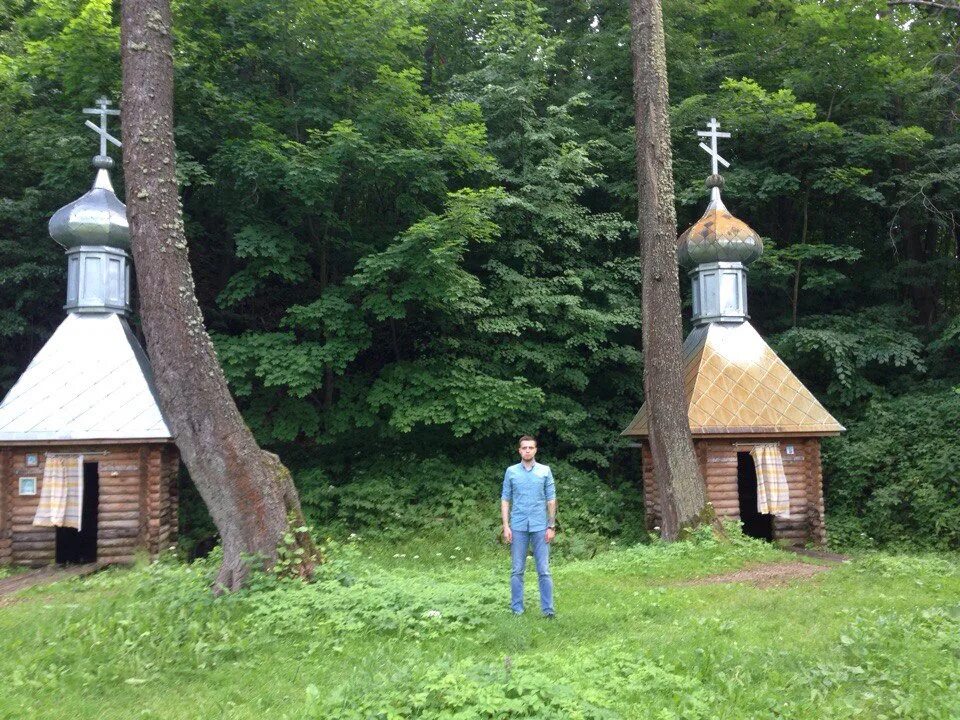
(528, 450)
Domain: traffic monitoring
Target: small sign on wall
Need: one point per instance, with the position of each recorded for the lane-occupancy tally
(32, 460)
(789, 450)
(28, 486)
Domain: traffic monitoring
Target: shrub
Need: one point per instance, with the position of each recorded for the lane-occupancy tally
(399, 497)
(583, 684)
(894, 478)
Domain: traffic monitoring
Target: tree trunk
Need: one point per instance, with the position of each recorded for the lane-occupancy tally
(682, 489)
(248, 491)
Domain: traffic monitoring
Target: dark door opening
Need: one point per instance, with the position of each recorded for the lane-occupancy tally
(80, 546)
(755, 524)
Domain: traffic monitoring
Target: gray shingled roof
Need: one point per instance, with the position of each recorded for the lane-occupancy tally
(91, 381)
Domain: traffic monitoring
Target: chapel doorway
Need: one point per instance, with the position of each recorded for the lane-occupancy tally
(755, 524)
(75, 546)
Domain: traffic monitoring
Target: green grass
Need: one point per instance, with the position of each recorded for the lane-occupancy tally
(876, 638)
(8, 570)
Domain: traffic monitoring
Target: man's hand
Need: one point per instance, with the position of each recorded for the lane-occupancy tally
(507, 534)
(551, 534)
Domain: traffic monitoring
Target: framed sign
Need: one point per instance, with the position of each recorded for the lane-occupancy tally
(32, 460)
(28, 486)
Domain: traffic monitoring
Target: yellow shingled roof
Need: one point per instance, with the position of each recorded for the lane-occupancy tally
(736, 384)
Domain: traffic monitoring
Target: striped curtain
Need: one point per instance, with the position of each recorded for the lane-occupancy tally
(61, 497)
(773, 494)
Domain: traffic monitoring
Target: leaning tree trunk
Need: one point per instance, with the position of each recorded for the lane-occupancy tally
(248, 491)
(683, 493)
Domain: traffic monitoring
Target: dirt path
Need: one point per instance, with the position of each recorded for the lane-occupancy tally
(43, 576)
(763, 576)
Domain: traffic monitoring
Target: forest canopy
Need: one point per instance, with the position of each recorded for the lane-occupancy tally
(412, 227)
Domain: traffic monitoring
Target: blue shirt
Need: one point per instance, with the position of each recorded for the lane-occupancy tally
(528, 491)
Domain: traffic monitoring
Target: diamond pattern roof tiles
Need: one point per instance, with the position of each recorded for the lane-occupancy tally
(736, 384)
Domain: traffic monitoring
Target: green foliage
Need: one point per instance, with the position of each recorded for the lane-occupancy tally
(423, 631)
(8, 570)
(529, 690)
(346, 600)
(412, 225)
(853, 356)
(895, 475)
(292, 558)
(408, 497)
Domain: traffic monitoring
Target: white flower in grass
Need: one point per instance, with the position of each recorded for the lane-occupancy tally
(468, 559)
(416, 557)
(432, 614)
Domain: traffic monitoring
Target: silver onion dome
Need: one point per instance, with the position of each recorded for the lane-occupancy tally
(96, 218)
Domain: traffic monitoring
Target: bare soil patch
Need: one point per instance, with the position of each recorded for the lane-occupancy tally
(764, 576)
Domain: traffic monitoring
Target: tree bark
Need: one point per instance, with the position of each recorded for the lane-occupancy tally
(249, 492)
(682, 489)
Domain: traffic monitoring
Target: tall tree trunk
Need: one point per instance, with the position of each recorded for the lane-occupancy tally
(248, 491)
(682, 489)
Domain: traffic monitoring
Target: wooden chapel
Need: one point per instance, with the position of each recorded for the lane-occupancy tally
(88, 468)
(741, 397)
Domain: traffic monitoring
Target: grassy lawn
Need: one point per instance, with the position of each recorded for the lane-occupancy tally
(423, 630)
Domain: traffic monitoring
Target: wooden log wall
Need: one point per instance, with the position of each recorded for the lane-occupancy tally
(718, 461)
(121, 504)
(168, 508)
(6, 542)
(815, 508)
(651, 495)
(135, 503)
(29, 545)
(163, 467)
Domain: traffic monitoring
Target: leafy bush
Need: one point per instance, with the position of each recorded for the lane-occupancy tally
(399, 497)
(585, 684)
(347, 597)
(894, 478)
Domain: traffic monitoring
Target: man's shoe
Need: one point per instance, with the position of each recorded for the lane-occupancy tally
(517, 612)
(549, 616)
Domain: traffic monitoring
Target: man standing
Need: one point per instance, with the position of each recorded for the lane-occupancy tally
(529, 486)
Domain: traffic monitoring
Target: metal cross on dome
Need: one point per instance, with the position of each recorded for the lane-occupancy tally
(103, 111)
(713, 133)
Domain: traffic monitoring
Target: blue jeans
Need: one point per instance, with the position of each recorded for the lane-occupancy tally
(541, 555)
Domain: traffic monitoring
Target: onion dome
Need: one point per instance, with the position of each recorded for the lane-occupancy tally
(96, 218)
(718, 236)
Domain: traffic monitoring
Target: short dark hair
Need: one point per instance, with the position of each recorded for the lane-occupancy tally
(528, 438)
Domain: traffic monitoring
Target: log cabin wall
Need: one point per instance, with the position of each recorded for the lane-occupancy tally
(718, 462)
(651, 495)
(163, 497)
(137, 509)
(6, 515)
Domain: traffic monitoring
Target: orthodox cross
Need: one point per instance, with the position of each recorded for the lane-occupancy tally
(713, 133)
(103, 111)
